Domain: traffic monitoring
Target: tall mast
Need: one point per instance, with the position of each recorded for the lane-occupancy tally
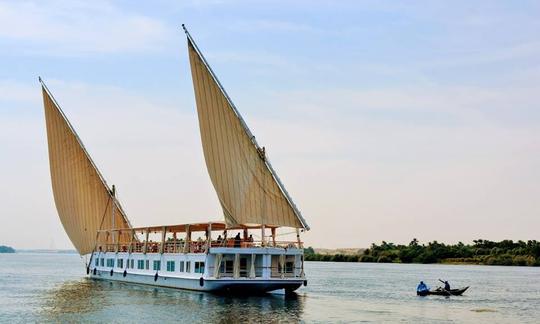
(113, 225)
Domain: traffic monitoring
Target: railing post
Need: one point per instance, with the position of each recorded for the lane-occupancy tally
(274, 236)
(298, 238)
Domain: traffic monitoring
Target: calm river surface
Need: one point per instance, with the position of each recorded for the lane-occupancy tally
(39, 287)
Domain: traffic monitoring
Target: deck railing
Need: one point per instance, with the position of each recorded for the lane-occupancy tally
(232, 243)
(179, 246)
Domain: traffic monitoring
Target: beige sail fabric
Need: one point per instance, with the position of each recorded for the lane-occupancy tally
(246, 189)
(82, 199)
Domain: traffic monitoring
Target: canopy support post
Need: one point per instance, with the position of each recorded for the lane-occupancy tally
(188, 239)
(263, 239)
(131, 236)
(208, 237)
(117, 245)
(163, 235)
(175, 242)
(107, 241)
(145, 247)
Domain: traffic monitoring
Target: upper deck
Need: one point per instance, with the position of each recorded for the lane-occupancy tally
(179, 238)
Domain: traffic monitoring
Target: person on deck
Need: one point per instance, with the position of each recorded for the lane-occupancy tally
(219, 240)
(237, 240)
(422, 287)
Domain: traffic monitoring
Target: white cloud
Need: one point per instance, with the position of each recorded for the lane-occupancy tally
(77, 27)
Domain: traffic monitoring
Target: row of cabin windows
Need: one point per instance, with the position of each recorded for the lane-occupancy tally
(183, 266)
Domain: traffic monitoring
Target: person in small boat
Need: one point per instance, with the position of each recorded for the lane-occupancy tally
(422, 287)
(237, 240)
(446, 284)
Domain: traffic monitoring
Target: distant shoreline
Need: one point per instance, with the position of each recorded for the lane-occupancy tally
(6, 249)
(482, 252)
(47, 251)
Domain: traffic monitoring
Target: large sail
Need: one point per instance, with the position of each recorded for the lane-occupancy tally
(247, 187)
(83, 200)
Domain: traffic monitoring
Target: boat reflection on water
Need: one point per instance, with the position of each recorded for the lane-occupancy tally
(85, 299)
(75, 297)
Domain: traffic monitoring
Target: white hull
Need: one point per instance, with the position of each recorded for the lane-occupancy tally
(142, 268)
(209, 285)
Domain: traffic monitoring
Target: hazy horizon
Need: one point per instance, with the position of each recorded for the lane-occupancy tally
(385, 121)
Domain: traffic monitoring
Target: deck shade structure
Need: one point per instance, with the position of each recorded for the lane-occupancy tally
(247, 187)
(83, 199)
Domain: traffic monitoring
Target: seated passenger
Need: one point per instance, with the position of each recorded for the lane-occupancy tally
(237, 240)
(422, 287)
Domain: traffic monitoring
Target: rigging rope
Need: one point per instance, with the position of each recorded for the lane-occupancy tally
(97, 233)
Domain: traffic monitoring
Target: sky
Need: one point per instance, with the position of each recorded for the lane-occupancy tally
(386, 120)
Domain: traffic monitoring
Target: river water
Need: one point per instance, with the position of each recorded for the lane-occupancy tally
(41, 287)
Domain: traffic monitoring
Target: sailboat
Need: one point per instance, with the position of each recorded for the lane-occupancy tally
(252, 197)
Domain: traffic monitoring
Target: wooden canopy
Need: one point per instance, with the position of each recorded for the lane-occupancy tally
(193, 227)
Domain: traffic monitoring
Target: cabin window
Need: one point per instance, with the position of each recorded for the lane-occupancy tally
(181, 266)
(97, 262)
(243, 267)
(132, 265)
(157, 265)
(120, 263)
(110, 263)
(227, 267)
(199, 267)
(147, 264)
(170, 266)
(289, 267)
(102, 262)
(140, 264)
(188, 266)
